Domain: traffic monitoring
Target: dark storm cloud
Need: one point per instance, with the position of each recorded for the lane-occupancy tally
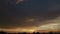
(13, 14)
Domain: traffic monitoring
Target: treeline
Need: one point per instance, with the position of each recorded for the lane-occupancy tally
(31, 33)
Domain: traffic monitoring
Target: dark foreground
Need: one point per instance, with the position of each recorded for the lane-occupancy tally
(31, 33)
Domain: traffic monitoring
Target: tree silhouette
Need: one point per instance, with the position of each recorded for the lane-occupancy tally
(33, 33)
(14, 33)
(28, 33)
(43, 33)
(3, 32)
(24, 33)
(37, 33)
(19, 33)
(50, 32)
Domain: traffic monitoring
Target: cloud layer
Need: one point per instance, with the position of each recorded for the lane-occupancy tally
(31, 13)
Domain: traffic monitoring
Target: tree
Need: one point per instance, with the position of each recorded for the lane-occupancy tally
(43, 33)
(37, 33)
(3, 32)
(33, 33)
(24, 33)
(50, 32)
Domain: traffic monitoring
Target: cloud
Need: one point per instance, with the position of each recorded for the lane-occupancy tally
(17, 1)
(50, 26)
(29, 14)
(18, 29)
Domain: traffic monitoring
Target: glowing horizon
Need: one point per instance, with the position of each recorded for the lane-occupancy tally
(51, 26)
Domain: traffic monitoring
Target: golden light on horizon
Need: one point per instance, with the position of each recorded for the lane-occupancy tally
(18, 30)
(48, 27)
(52, 26)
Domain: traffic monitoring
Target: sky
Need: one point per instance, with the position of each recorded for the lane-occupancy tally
(28, 13)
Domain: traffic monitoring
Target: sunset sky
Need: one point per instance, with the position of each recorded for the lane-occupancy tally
(28, 15)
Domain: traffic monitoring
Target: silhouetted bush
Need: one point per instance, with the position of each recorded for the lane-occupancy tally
(50, 32)
(33, 33)
(43, 33)
(24, 33)
(37, 33)
(55, 32)
(58, 33)
(14, 33)
(19, 33)
(28, 33)
(3, 32)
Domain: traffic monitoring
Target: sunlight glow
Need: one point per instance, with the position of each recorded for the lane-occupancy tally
(17, 30)
(53, 26)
